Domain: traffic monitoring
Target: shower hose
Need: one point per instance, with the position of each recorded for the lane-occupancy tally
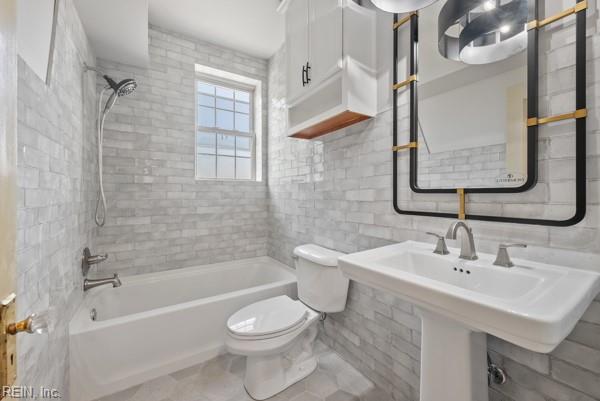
(101, 201)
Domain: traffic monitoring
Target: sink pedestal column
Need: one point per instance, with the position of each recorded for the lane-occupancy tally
(453, 360)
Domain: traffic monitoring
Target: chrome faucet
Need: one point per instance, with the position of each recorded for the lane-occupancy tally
(503, 258)
(89, 260)
(88, 284)
(467, 244)
(440, 246)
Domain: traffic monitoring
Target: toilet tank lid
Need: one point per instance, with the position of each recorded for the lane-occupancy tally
(318, 254)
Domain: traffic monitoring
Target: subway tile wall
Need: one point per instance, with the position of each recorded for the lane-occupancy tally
(56, 186)
(336, 192)
(481, 166)
(159, 216)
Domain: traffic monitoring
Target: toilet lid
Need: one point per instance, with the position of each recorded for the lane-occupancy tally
(273, 315)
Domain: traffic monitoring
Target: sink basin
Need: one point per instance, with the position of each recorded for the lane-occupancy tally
(478, 277)
(532, 305)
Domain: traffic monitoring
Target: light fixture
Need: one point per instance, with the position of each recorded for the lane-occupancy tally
(489, 5)
(483, 36)
(401, 6)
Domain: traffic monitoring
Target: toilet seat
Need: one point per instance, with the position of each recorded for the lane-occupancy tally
(269, 318)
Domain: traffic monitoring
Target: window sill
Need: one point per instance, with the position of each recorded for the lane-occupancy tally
(229, 180)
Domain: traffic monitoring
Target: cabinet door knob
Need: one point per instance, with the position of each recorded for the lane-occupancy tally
(307, 73)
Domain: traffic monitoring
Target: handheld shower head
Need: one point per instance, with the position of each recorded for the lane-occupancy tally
(123, 88)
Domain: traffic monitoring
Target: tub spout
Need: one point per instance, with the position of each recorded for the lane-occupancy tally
(91, 283)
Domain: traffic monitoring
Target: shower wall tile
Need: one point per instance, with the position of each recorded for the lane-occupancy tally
(336, 192)
(57, 187)
(159, 216)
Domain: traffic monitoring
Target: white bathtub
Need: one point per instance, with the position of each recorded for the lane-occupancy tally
(158, 323)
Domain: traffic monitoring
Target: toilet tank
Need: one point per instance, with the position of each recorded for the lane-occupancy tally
(321, 285)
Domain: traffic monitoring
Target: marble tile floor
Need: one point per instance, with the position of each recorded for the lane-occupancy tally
(221, 379)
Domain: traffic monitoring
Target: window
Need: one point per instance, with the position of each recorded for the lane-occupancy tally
(225, 134)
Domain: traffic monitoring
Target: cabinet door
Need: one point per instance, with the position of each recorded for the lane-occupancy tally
(325, 39)
(296, 40)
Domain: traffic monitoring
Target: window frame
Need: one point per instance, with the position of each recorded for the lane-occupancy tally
(233, 85)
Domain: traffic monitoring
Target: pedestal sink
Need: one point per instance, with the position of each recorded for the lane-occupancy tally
(532, 305)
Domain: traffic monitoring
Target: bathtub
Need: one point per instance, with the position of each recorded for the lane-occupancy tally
(158, 323)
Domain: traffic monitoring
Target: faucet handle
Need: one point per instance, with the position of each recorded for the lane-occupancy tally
(503, 258)
(116, 281)
(440, 246)
(95, 259)
(516, 245)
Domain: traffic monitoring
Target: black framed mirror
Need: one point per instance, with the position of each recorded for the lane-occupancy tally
(480, 49)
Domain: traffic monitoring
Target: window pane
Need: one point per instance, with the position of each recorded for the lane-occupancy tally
(225, 104)
(205, 166)
(206, 100)
(242, 107)
(225, 92)
(242, 146)
(206, 88)
(226, 167)
(242, 96)
(206, 116)
(242, 122)
(243, 168)
(205, 142)
(225, 119)
(219, 155)
(226, 145)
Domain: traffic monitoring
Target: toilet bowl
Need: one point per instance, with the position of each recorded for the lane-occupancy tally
(277, 334)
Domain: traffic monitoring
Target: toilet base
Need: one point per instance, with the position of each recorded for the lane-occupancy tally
(268, 375)
(267, 378)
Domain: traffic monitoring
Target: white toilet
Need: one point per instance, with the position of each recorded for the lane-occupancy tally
(277, 334)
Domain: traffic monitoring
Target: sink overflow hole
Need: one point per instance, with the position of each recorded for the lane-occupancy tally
(456, 269)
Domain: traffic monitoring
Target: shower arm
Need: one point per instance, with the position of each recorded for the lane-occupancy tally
(87, 68)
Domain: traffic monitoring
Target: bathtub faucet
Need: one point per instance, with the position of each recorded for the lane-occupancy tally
(89, 259)
(91, 283)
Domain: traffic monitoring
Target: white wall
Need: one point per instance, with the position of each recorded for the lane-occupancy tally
(471, 115)
(34, 34)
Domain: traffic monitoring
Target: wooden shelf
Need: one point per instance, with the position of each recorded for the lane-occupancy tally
(337, 122)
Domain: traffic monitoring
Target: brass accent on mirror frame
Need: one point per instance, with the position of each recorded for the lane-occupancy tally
(581, 113)
(404, 20)
(410, 145)
(580, 6)
(461, 204)
(402, 84)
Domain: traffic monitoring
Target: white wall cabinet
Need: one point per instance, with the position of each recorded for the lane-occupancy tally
(297, 23)
(331, 79)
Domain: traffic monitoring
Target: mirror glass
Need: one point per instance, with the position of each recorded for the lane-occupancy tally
(472, 94)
